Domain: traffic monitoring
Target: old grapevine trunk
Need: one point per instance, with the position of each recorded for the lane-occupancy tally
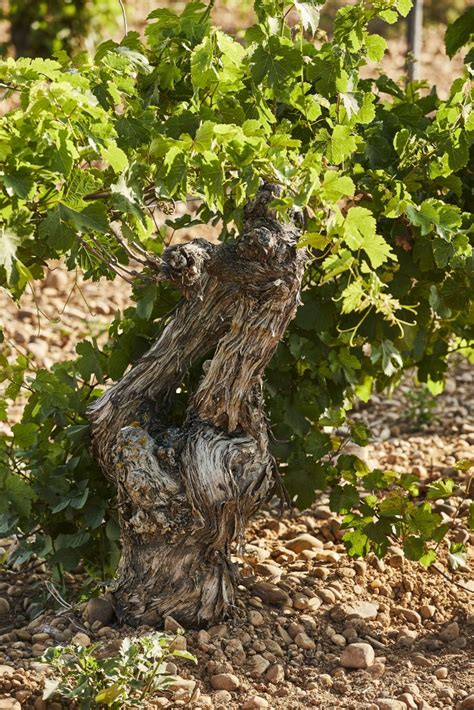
(186, 493)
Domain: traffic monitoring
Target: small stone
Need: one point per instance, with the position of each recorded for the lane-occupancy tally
(22, 696)
(304, 642)
(390, 704)
(257, 665)
(411, 616)
(268, 570)
(4, 606)
(9, 704)
(360, 567)
(220, 631)
(413, 689)
(346, 572)
(467, 703)
(358, 655)
(275, 674)
(225, 681)
(184, 687)
(408, 700)
(105, 631)
(38, 649)
(407, 637)
(304, 542)
(377, 670)
(40, 704)
(99, 609)
(172, 625)
(284, 635)
(441, 673)
(314, 603)
(300, 601)
(255, 618)
(327, 555)
(338, 639)
(427, 611)
(396, 560)
(361, 610)
(255, 702)
(274, 647)
(6, 670)
(222, 698)
(81, 639)
(421, 661)
(450, 632)
(178, 644)
(270, 593)
(327, 595)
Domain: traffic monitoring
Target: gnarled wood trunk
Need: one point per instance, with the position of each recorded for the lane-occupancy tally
(185, 494)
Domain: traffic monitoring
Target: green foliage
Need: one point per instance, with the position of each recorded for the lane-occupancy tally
(382, 171)
(41, 28)
(126, 680)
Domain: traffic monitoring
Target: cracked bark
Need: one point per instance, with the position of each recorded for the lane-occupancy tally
(185, 493)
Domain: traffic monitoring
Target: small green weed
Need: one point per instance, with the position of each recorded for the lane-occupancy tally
(421, 405)
(121, 681)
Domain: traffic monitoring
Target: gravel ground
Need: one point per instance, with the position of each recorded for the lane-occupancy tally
(303, 603)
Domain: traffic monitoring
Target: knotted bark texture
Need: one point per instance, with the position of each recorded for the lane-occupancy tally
(185, 493)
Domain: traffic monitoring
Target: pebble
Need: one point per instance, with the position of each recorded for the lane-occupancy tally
(255, 702)
(170, 625)
(450, 632)
(222, 696)
(300, 601)
(377, 670)
(468, 703)
(275, 674)
(9, 704)
(270, 593)
(361, 610)
(421, 661)
(358, 655)
(411, 616)
(304, 542)
(178, 644)
(314, 603)
(255, 618)
(304, 642)
(81, 639)
(327, 595)
(441, 673)
(4, 606)
(225, 681)
(427, 611)
(100, 609)
(184, 687)
(268, 570)
(408, 700)
(257, 665)
(390, 704)
(6, 670)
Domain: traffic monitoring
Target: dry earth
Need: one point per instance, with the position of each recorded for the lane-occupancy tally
(302, 601)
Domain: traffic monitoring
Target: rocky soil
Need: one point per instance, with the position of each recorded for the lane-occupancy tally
(311, 627)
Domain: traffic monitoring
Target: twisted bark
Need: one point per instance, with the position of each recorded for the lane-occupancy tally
(186, 493)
